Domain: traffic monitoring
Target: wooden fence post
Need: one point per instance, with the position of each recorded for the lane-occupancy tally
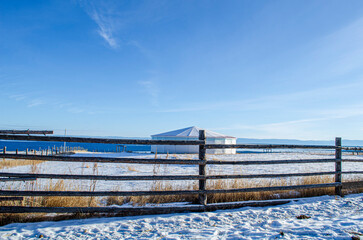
(26, 151)
(202, 182)
(4, 150)
(338, 165)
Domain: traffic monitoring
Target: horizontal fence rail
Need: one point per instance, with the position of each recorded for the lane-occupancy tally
(202, 192)
(163, 161)
(17, 179)
(159, 193)
(24, 176)
(271, 162)
(353, 185)
(3, 199)
(353, 148)
(102, 159)
(352, 160)
(100, 140)
(142, 210)
(43, 132)
(267, 146)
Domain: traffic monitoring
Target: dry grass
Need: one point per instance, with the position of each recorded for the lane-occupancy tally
(9, 163)
(132, 169)
(157, 186)
(49, 201)
(60, 201)
(230, 197)
(56, 201)
(266, 195)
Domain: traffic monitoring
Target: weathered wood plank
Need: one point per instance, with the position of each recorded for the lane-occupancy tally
(352, 185)
(164, 177)
(101, 159)
(158, 161)
(352, 160)
(338, 165)
(220, 206)
(268, 146)
(159, 193)
(104, 177)
(100, 140)
(353, 148)
(277, 188)
(113, 210)
(17, 179)
(2, 199)
(143, 210)
(96, 194)
(353, 172)
(269, 175)
(43, 132)
(202, 173)
(268, 162)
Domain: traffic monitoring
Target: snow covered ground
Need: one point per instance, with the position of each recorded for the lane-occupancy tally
(331, 218)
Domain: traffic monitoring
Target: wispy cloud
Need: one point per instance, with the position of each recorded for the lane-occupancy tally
(324, 115)
(275, 101)
(304, 128)
(75, 110)
(152, 89)
(327, 58)
(18, 97)
(103, 14)
(341, 113)
(105, 28)
(342, 50)
(35, 102)
(147, 53)
(114, 18)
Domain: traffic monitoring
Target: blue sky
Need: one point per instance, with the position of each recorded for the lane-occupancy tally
(254, 69)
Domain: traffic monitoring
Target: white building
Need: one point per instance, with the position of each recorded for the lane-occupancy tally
(192, 133)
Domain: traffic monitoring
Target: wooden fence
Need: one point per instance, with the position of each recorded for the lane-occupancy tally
(202, 177)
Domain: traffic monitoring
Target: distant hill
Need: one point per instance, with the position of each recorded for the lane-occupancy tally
(346, 142)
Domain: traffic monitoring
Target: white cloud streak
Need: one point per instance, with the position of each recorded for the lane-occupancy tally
(35, 102)
(105, 29)
(113, 18)
(31, 101)
(273, 101)
(151, 88)
(103, 16)
(18, 97)
(304, 128)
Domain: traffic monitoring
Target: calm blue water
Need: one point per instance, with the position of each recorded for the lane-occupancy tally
(97, 147)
